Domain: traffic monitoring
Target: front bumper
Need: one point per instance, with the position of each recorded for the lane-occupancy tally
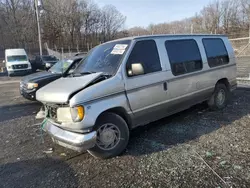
(75, 141)
(28, 94)
(19, 72)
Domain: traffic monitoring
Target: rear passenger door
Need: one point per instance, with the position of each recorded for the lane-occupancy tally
(220, 60)
(186, 64)
(146, 93)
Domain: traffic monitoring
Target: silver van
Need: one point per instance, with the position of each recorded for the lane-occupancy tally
(133, 81)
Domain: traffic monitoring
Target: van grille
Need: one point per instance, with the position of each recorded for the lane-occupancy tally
(51, 110)
(22, 66)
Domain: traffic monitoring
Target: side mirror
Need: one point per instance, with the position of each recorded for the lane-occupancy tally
(136, 69)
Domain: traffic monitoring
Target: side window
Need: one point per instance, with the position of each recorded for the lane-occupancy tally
(184, 56)
(216, 52)
(145, 53)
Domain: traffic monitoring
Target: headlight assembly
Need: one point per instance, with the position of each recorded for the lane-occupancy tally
(32, 85)
(67, 114)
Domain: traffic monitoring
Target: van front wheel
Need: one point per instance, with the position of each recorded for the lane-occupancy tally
(219, 98)
(112, 136)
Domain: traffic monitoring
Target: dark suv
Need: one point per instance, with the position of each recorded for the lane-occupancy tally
(31, 83)
(44, 62)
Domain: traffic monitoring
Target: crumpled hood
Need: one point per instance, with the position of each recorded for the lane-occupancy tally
(60, 90)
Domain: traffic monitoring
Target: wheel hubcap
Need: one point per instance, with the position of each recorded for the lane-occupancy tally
(108, 136)
(221, 96)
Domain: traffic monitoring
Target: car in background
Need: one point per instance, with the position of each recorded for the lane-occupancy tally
(31, 83)
(44, 62)
(80, 53)
(17, 62)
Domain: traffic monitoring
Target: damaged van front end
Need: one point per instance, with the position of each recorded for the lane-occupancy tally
(64, 122)
(72, 111)
(74, 103)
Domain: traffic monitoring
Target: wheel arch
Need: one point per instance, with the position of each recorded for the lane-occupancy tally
(224, 81)
(121, 112)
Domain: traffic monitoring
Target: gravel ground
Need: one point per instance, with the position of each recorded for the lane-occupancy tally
(194, 148)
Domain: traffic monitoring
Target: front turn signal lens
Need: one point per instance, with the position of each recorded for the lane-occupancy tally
(77, 113)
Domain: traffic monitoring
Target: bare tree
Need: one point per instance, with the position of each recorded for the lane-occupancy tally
(17, 18)
(111, 21)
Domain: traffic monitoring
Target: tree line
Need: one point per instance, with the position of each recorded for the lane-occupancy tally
(82, 24)
(230, 17)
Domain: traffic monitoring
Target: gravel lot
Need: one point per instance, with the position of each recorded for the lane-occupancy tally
(194, 148)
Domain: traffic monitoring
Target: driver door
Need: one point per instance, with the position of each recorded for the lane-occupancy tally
(147, 92)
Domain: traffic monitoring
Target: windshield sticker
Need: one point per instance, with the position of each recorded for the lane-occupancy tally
(120, 46)
(119, 49)
(117, 52)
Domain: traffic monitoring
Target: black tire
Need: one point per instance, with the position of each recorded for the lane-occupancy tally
(214, 102)
(119, 123)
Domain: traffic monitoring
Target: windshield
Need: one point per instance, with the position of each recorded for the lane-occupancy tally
(17, 58)
(61, 66)
(49, 58)
(104, 58)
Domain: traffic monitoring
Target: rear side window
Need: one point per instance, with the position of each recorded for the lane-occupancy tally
(146, 53)
(216, 52)
(184, 56)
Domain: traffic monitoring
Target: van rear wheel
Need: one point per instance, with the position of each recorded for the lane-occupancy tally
(220, 97)
(112, 136)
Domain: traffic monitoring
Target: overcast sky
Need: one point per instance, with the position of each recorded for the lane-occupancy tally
(145, 12)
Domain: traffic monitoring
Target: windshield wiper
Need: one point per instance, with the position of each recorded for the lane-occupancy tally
(107, 75)
(81, 73)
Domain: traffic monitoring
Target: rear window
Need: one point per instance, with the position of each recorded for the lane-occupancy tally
(49, 58)
(184, 56)
(216, 51)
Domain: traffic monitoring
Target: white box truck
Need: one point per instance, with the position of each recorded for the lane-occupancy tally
(17, 62)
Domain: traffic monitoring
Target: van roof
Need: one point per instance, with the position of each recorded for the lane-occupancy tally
(170, 35)
(15, 49)
(18, 51)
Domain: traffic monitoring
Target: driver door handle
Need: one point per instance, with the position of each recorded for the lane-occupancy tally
(165, 86)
